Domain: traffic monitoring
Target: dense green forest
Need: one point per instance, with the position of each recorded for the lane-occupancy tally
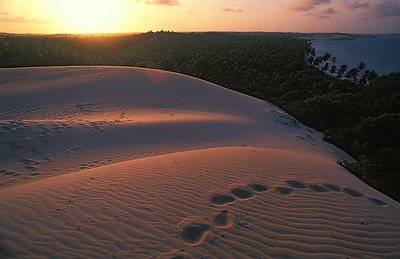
(357, 110)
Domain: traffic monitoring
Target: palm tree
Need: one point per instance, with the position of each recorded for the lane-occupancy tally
(367, 77)
(326, 57)
(311, 55)
(352, 75)
(310, 60)
(361, 66)
(318, 61)
(325, 67)
(333, 70)
(312, 52)
(341, 71)
(363, 81)
(371, 75)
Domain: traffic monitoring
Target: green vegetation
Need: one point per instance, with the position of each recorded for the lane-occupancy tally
(356, 110)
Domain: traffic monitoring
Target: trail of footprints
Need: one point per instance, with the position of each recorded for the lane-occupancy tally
(30, 140)
(194, 229)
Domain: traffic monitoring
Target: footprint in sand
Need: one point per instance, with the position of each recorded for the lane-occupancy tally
(221, 199)
(242, 193)
(194, 230)
(332, 187)
(257, 187)
(30, 167)
(377, 201)
(284, 190)
(317, 188)
(324, 187)
(49, 159)
(223, 219)
(352, 192)
(296, 184)
(8, 173)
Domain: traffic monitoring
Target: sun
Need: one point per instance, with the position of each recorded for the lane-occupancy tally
(91, 16)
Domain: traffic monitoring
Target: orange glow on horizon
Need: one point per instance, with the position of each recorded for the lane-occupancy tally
(91, 16)
(127, 16)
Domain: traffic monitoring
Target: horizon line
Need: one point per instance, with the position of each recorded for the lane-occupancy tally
(171, 31)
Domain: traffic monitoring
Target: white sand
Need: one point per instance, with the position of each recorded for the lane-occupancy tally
(137, 163)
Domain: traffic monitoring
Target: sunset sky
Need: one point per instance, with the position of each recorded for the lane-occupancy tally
(118, 16)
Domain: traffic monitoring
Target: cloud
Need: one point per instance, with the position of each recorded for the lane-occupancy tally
(386, 8)
(324, 14)
(233, 10)
(376, 9)
(160, 2)
(307, 5)
(329, 10)
(5, 17)
(357, 4)
(314, 8)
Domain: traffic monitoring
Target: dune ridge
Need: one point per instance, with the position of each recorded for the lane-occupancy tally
(160, 204)
(136, 163)
(63, 125)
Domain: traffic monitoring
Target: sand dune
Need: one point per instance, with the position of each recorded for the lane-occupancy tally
(138, 163)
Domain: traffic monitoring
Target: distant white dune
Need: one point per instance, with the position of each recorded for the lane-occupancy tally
(138, 163)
